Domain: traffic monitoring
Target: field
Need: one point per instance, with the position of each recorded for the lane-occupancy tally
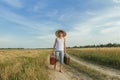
(86, 64)
(104, 56)
(23, 65)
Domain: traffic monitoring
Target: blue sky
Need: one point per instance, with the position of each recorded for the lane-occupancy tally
(32, 23)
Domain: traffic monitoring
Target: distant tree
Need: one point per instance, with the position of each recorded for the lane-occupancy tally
(68, 47)
(75, 47)
(109, 45)
(100, 45)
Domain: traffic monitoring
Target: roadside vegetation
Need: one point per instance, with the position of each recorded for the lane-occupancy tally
(95, 75)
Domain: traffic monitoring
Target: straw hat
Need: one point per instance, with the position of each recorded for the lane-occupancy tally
(58, 31)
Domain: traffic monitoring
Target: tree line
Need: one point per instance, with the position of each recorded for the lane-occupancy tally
(87, 46)
(99, 45)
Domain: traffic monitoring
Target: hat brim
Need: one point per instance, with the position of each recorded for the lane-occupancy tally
(57, 33)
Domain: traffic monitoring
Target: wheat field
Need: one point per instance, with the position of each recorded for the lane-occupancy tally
(32, 64)
(23, 65)
(104, 56)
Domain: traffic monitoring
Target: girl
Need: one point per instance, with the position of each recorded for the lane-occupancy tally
(60, 47)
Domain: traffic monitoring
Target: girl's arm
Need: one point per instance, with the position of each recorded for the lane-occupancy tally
(54, 45)
(65, 45)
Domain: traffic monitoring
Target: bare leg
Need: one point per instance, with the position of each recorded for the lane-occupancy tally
(60, 67)
(61, 60)
(55, 66)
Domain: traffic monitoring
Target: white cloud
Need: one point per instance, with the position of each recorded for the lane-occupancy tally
(40, 9)
(111, 30)
(91, 13)
(14, 3)
(9, 41)
(102, 28)
(30, 24)
(116, 1)
(41, 32)
(117, 7)
(39, 6)
(6, 39)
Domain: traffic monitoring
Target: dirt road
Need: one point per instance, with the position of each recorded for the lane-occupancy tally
(56, 75)
(67, 74)
(108, 71)
(72, 74)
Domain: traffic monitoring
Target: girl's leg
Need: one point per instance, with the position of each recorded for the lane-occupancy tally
(60, 67)
(61, 54)
(55, 66)
(55, 63)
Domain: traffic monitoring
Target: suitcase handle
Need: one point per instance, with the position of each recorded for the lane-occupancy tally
(66, 55)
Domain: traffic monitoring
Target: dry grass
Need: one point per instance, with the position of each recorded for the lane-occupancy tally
(103, 56)
(23, 65)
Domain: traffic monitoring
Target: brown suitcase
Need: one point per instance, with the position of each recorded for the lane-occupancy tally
(52, 59)
(66, 59)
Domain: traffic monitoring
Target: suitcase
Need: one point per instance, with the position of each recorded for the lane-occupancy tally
(52, 59)
(66, 59)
